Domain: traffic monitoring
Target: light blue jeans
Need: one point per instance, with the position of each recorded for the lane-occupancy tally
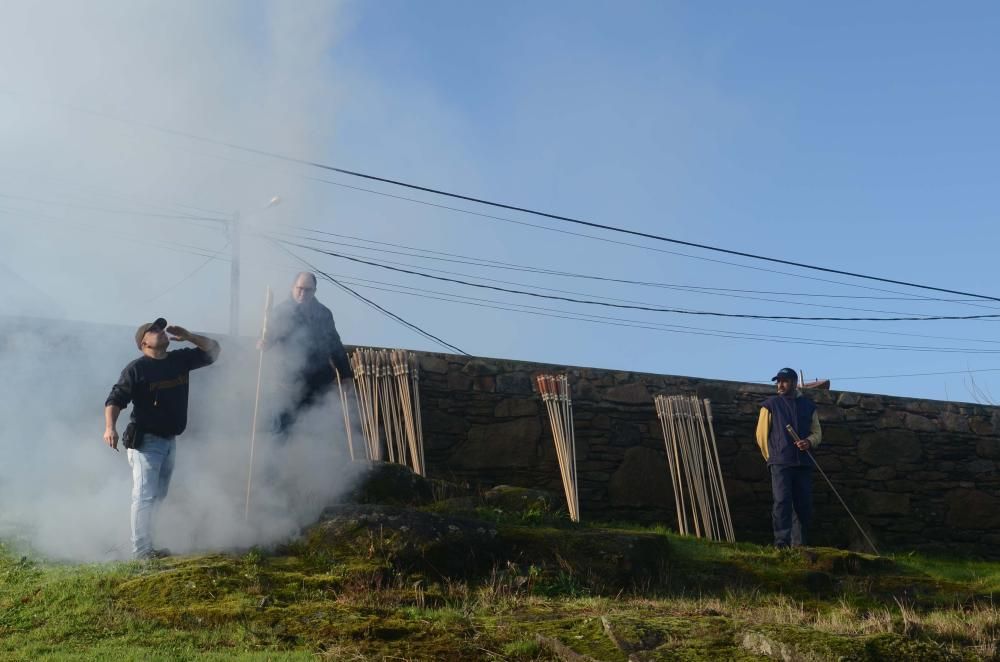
(152, 466)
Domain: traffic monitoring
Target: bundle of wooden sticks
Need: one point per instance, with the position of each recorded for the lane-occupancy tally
(554, 390)
(387, 382)
(693, 460)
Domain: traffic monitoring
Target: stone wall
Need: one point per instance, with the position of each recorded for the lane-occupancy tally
(918, 474)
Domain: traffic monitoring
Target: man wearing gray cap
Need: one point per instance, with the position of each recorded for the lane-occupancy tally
(156, 384)
(787, 429)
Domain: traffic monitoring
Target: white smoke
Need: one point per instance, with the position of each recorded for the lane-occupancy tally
(96, 207)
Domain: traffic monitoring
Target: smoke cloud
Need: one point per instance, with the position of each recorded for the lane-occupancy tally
(105, 218)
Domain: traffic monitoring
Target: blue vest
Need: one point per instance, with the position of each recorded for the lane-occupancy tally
(798, 413)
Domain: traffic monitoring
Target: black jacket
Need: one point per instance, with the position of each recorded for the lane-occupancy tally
(158, 390)
(307, 339)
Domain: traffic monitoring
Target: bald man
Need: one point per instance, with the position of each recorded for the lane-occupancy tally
(303, 331)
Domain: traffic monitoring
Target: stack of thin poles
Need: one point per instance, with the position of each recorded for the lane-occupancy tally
(693, 460)
(554, 390)
(388, 387)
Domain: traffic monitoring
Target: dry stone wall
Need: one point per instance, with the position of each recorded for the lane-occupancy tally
(919, 474)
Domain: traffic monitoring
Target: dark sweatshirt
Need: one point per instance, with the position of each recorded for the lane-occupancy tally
(307, 338)
(158, 390)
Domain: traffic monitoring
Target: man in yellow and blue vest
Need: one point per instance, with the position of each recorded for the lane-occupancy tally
(788, 459)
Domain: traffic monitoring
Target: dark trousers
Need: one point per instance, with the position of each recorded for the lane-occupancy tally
(791, 514)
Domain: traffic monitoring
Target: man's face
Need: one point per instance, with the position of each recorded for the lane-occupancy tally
(785, 385)
(155, 339)
(304, 289)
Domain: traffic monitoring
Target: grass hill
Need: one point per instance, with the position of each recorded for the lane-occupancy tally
(412, 570)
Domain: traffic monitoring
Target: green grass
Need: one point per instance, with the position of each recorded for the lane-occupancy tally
(714, 601)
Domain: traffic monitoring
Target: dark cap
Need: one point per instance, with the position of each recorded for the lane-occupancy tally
(156, 325)
(786, 373)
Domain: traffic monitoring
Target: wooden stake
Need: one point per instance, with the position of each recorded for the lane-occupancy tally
(347, 416)
(268, 299)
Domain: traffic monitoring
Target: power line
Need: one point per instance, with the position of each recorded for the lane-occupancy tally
(640, 324)
(917, 374)
(371, 303)
(821, 326)
(789, 322)
(658, 309)
(520, 209)
(106, 210)
(704, 289)
(201, 266)
(492, 264)
(18, 214)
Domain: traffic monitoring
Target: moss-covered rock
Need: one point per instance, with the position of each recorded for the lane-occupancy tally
(396, 484)
(405, 540)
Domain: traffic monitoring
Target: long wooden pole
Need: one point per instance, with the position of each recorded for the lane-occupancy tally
(727, 515)
(347, 416)
(674, 478)
(418, 422)
(256, 401)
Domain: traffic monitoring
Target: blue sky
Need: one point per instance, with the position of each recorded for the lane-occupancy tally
(855, 136)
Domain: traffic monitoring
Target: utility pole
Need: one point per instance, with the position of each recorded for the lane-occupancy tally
(234, 275)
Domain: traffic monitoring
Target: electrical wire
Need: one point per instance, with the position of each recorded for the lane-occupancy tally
(517, 208)
(371, 303)
(201, 266)
(497, 265)
(482, 261)
(633, 323)
(680, 311)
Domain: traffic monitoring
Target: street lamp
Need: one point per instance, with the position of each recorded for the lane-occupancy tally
(234, 265)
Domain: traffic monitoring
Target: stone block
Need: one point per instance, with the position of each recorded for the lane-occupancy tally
(716, 393)
(858, 415)
(436, 421)
(479, 367)
(510, 444)
(515, 382)
(983, 426)
(988, 448)
(848, 399)
(433, 364)
(830, 413)
(459, 382)
(642, 481)
(885, 503)
(624, 434)
(629, 394)
(954, 422)
(484, 383)
(881, 473)
(871, 403)
(514, 407)
(920, 423)
(836, 435)
(891, 419)
(889, 448)
(980, 466)
(972, 509)
(584, 390)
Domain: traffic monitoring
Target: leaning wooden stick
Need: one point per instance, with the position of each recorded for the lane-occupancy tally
(256, 401)
(795, 437)
(347, 416)
(556, 396)
(727, 516)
